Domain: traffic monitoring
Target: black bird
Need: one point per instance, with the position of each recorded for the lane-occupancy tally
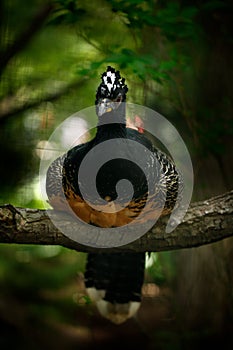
(114, 281)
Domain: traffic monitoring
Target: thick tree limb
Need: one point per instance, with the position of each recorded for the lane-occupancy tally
(205, 222)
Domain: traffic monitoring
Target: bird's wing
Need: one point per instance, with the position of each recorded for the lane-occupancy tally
(54, 187)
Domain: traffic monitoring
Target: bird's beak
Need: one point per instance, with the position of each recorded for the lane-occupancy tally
(106, 105)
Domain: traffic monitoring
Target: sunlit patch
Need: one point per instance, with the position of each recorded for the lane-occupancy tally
(150, 259)
(50, 148)
(150, 290)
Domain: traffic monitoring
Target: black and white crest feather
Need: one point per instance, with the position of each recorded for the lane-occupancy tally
(112, 86)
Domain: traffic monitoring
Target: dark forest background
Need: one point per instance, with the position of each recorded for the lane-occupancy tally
(177, 57)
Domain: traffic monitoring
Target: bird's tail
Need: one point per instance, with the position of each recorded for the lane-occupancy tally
(114, 282)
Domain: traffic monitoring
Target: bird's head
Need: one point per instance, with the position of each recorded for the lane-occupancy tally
(111, 92)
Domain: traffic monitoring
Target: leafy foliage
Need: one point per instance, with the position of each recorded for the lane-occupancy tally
(66, 12)
(177, 57)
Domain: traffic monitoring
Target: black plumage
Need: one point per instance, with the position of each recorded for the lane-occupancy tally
(114, 280)
(102, 269)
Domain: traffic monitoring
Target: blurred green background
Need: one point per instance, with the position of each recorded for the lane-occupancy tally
(177, 59)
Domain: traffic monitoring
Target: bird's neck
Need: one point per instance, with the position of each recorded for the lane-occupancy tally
(110, 131)
(111, 125)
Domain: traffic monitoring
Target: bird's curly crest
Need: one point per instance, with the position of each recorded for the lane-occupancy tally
(112, 85)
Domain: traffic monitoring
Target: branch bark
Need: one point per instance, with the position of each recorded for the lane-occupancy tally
(205, 222)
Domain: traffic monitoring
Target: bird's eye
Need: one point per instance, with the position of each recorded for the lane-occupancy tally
(119, 98)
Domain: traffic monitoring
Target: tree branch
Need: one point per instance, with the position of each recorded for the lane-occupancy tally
(24, 38)
(10, 106)
(205, 222)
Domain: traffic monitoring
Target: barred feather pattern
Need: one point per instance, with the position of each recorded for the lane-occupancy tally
(114, 280)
